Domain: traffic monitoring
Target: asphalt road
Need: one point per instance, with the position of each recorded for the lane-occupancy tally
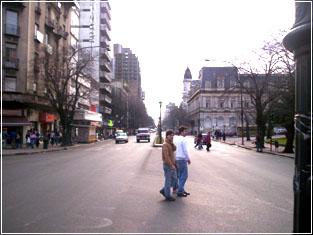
(114, 188)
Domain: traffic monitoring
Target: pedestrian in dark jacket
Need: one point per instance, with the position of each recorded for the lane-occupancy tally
(208, 142)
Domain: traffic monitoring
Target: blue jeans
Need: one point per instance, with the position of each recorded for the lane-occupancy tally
(182, 172)
(170, 179)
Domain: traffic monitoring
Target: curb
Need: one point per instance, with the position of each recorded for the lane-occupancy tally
(157, 145)
(47, 150)
(251, 148)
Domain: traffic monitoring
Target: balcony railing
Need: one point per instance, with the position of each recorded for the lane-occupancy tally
(11, 63)
(105, 65)
(50, 23)
(38, 10)
(12, 29)
(59, 31)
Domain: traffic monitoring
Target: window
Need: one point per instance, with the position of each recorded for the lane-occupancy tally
(10, 84)
(11, 22)
(10, 51)
(221, 105)
(208, 84)
(35, 87)
(207, 103)
(220, 82)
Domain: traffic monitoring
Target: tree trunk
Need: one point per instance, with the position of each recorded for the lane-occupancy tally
(290, 138)
(247, 128)
(67, 135)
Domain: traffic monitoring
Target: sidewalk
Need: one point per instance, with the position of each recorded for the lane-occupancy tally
(251, 145)
(26, 150)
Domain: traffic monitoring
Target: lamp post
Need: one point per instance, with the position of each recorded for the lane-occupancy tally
(241, 108)
(199, 121)
(299, 41)
(160, 127)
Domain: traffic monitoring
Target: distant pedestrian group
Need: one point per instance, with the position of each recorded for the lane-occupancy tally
(33, 138)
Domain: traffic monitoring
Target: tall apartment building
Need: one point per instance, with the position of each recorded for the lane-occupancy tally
(94, 33)
(29, 30)
(127, 69)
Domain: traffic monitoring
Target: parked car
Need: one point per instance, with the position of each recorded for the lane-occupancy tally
(121, 137)
(143, 134)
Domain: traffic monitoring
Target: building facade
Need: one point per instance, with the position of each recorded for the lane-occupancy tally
(218, 102)
(94, 33)
(127, 70)
(30, 30)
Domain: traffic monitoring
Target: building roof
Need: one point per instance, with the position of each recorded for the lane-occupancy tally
(187, 74)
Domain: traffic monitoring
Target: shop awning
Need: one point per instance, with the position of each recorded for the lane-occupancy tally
(15, 121)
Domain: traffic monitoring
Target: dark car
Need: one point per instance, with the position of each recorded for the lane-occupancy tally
(143, 134)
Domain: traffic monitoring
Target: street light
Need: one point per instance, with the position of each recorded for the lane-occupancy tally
(160, 128)
(241, 107)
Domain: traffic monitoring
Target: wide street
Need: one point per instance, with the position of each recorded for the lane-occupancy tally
(108, 187)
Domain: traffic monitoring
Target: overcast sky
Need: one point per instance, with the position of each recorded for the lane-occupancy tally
(169, 35)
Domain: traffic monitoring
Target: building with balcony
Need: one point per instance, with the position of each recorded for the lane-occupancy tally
(94, 34)
(30, 30)
(127, 69)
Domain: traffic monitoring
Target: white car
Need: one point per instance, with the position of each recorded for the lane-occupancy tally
(121, 137)
(279, 130)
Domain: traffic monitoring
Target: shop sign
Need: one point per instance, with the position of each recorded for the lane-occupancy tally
(46, 117)
(110, 123)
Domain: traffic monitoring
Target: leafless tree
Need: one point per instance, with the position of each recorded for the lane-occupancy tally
(283, 110)
(268, 83)
(67, 77)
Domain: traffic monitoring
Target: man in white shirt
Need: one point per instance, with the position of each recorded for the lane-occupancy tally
(182, 161)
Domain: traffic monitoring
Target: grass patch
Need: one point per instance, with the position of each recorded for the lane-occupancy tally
(158, 141)
(281, 141)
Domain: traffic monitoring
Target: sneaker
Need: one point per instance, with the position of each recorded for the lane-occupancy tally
(162, 192)
(186, 193)
(181, 194)
(171, 199)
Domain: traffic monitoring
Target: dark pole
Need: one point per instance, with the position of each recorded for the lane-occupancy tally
(160, 129)
(241, 109)
(199, 113)
(298, 41)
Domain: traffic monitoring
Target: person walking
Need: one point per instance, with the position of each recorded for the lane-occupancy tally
(169, 167)
(199, 141)
(182, 159)
(258, 143)
(208, 141)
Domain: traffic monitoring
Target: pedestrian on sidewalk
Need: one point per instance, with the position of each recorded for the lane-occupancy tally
(276, 145)
(169, 166)
(208, 141)
(258, 143)
(18, 141)
(182, 159)
(199, 141)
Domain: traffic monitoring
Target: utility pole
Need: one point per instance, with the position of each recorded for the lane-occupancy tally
(298, 41)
